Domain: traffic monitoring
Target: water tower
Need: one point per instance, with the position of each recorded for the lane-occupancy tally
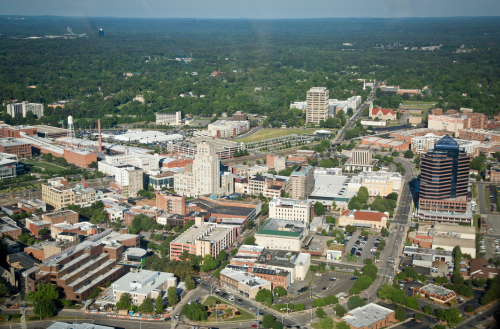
(71, 130)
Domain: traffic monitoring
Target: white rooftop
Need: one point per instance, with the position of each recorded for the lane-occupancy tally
(143, 282)
(250, 248)
(245, 278)
(64, 325)
(366, 315)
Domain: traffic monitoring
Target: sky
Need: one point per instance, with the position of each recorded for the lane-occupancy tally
(260, 9)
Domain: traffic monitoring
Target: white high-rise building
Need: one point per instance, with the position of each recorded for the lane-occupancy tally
(203, 176)
(171, 119)
(317, 105)
(24, 107)
(290, 209)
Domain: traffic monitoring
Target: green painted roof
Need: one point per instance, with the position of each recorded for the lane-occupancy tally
(275, 232)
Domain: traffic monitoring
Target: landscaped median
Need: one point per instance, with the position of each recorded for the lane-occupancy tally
(224, 315)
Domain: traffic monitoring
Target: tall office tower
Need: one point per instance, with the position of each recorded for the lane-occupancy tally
(206, 170)
(317, 105)
(203, 176)
(444, 177)
(101, 32)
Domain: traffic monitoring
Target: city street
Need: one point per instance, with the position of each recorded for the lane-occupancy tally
(395, 241)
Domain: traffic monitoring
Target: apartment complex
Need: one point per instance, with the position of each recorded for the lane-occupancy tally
(268, 185)
(78, 270)
(228, 129)
(203, 240)
(444, 178)
(224, 149)
(203, 176)
(291, 209)
(25, 107)
(389, 144)
(57, 193)
(302, 182)
(481, 135)
(170, 119)
(128, 180)
(423, 144)
(143, 284)
(171, 203)
(317, 105)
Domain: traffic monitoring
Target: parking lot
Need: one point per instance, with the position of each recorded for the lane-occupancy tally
(491, 246)
(365, 253)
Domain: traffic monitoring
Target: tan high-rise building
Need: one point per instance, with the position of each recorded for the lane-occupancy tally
(317, 105)
(203, 176)
(302, 181)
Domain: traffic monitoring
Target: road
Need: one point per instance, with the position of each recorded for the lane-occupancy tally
(395, 241)
(352, 121)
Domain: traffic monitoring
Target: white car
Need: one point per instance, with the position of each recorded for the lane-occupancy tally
(318, 274)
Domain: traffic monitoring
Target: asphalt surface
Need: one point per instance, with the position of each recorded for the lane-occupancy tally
(395, 241)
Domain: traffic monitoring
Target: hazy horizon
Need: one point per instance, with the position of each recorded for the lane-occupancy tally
(257, 9)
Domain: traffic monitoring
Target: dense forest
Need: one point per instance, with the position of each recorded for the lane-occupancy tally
(282, 57)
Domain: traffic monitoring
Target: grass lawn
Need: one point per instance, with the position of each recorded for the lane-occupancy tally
(417, 105)
(487, 198)
(476, 221)
(244, 314)
(44, 165)
(273, 133)
(315, 325)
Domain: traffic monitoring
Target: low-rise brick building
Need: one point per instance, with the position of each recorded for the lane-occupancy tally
(371, 316)
(15, 146)
(68, 216)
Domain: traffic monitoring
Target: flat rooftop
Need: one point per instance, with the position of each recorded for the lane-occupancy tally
(218, 143)
(49, 129)
(61, 213)
(460, 229)
(64, 325)
(142, 282)
(204, 233)
(282, 227)
(249, 248)
(367, 315)
(245, 278)
(437, 290)
(12, 142)
(329, 187)
(224, 210)
(452, 242)
(302, 171)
